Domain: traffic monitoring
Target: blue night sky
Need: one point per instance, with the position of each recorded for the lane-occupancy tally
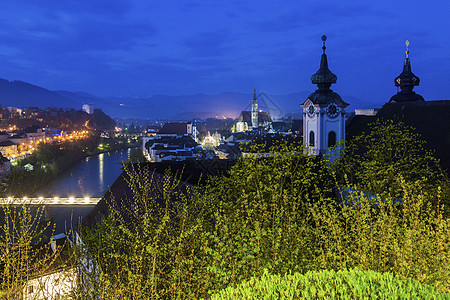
(143, 48)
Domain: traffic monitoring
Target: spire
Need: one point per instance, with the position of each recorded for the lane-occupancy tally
(407, 48)
(323, 77)
(255, 123)
(406, 81)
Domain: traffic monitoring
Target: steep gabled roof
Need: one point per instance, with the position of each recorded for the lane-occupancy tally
(189, 172)
(246, 116)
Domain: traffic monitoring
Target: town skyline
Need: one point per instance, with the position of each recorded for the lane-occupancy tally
(136, 49)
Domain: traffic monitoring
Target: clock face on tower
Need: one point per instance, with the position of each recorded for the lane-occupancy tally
(332, 110)
(311, 110)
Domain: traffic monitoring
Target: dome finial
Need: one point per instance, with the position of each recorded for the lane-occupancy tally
(407, 48)
(324, 38)
(323, 77)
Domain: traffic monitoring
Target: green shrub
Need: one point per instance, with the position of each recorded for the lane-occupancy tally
(24, 250)
(378, 161)
(258, 216)
(277, 214)
(344, 284)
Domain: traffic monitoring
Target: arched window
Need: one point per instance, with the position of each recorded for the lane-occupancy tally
(331, 138)
(311, 138)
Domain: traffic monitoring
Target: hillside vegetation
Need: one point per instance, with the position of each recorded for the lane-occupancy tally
(273, 216)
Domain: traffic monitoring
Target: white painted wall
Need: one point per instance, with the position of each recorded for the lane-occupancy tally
(321, 124)
(51, 286)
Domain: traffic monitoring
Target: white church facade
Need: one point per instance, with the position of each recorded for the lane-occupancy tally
(323, 112)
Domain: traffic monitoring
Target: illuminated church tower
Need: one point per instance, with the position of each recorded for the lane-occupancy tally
(323, 112)
(255, 124)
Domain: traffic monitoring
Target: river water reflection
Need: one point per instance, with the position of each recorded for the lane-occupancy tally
(91, 177)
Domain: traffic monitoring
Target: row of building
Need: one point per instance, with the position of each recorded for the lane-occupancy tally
(19, 142)
(323, 126)
(324, 121)
(33, 112)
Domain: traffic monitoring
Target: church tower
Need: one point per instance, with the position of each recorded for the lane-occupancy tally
(323, 112)
(406, 81)
(255, 124)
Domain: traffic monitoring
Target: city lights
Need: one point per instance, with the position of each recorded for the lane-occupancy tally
(26, 145)
(49, 201)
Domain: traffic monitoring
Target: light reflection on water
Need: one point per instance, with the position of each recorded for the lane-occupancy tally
(100, 169)
(91, 177)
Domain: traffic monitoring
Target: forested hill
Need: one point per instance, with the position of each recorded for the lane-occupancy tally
(64, 119)
(22, 94)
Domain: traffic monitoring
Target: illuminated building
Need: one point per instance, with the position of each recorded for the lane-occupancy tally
(323, 112)
(252, 120)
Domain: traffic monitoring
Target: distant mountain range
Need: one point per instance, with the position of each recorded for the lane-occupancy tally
(200, 106)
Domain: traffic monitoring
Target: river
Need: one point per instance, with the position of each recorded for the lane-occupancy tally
(90, 177)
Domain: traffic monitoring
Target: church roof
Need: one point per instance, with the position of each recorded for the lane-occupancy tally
(402, 97)
(406, 81)
(325, 97)
(324, 78)
(246, 116)
(323, 75)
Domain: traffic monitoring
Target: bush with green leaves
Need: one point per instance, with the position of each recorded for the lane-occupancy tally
(376, 161)
(257, 217)
(24, 250)
(141, 247)
(278, 213)
(411, 240)
(343, 284)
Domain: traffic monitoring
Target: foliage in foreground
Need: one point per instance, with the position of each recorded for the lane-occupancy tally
(139, 246)
(24, 255)
(278, 214)
(378, 160)
(343, 284)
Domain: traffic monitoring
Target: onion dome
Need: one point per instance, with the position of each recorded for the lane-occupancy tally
(324, 78)
(406, 81)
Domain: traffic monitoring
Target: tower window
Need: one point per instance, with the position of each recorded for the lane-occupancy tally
(331, 138)
(311, 138)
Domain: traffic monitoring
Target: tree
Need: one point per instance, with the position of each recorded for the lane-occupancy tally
(137, 156)
(391, 152)
(257, 216)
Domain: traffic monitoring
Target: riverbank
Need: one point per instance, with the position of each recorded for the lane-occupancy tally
(91, 177)
(49, 161)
